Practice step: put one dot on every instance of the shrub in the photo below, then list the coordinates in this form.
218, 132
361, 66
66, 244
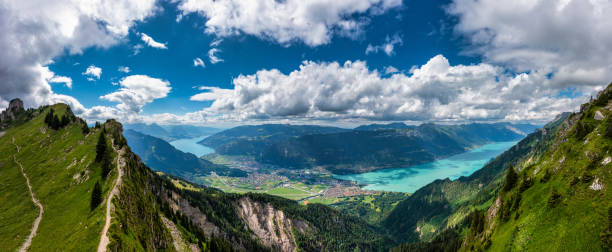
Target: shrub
583, 129
554, 198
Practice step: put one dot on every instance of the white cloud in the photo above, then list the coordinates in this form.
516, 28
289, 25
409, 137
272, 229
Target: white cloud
151, 42
124, 69
311, 22
387, 47
197, 62
61, 79
33, 36
216, 42
137, 49
214, 59
390, 70
136, 91
213, 93
569, 39
93, 71
435, 91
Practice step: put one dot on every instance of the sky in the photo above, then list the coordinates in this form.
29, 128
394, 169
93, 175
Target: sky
231, 62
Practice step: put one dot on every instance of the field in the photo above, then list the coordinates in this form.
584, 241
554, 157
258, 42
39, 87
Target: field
267, 184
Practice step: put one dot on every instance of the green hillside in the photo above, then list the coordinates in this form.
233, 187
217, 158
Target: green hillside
147, 211
559, 200
61, 169
549, 192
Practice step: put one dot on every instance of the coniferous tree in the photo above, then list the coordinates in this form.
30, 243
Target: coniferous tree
511, 178
64, 121
96, 195
49, 118
100, 147
56, 123
106, 164
85, 129
97, 126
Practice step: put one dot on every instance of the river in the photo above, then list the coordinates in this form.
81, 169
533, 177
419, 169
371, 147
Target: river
410, 179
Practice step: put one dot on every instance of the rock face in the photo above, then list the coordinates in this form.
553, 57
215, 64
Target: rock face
270, 225
181, 205
15, 106
598, 116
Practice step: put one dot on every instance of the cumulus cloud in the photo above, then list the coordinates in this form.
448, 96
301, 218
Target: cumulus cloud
197, 62
61, 79
214, 59
93, 71
124, 69
151, 42
568, 39
136, 91
386, 47
435, 91
311, 22
32, 37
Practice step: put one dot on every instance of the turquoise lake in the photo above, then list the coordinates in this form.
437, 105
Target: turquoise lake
191, 145
410, 179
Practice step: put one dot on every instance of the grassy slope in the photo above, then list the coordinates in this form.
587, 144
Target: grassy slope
444, 204
67, 216
581, 214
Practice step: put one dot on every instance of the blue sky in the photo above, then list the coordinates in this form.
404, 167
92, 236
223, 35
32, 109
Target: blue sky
452, 61
423, 26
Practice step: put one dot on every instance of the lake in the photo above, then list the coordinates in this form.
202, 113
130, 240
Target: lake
191, 145
410, 179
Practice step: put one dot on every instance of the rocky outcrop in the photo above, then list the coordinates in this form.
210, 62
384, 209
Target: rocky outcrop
15, 107
180, 205
273, 228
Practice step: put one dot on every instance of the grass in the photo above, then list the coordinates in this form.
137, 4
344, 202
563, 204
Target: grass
66, 200
576, 221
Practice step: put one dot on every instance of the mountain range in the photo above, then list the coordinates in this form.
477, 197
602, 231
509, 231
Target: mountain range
171, 132
363, 149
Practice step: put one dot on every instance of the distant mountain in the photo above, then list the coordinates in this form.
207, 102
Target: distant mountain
247, 139
172, 132
397, 125
160, 155
353, 151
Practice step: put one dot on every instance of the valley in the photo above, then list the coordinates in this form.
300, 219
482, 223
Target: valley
319, 185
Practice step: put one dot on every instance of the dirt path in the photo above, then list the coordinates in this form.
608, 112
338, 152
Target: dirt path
28, 241
104, 241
